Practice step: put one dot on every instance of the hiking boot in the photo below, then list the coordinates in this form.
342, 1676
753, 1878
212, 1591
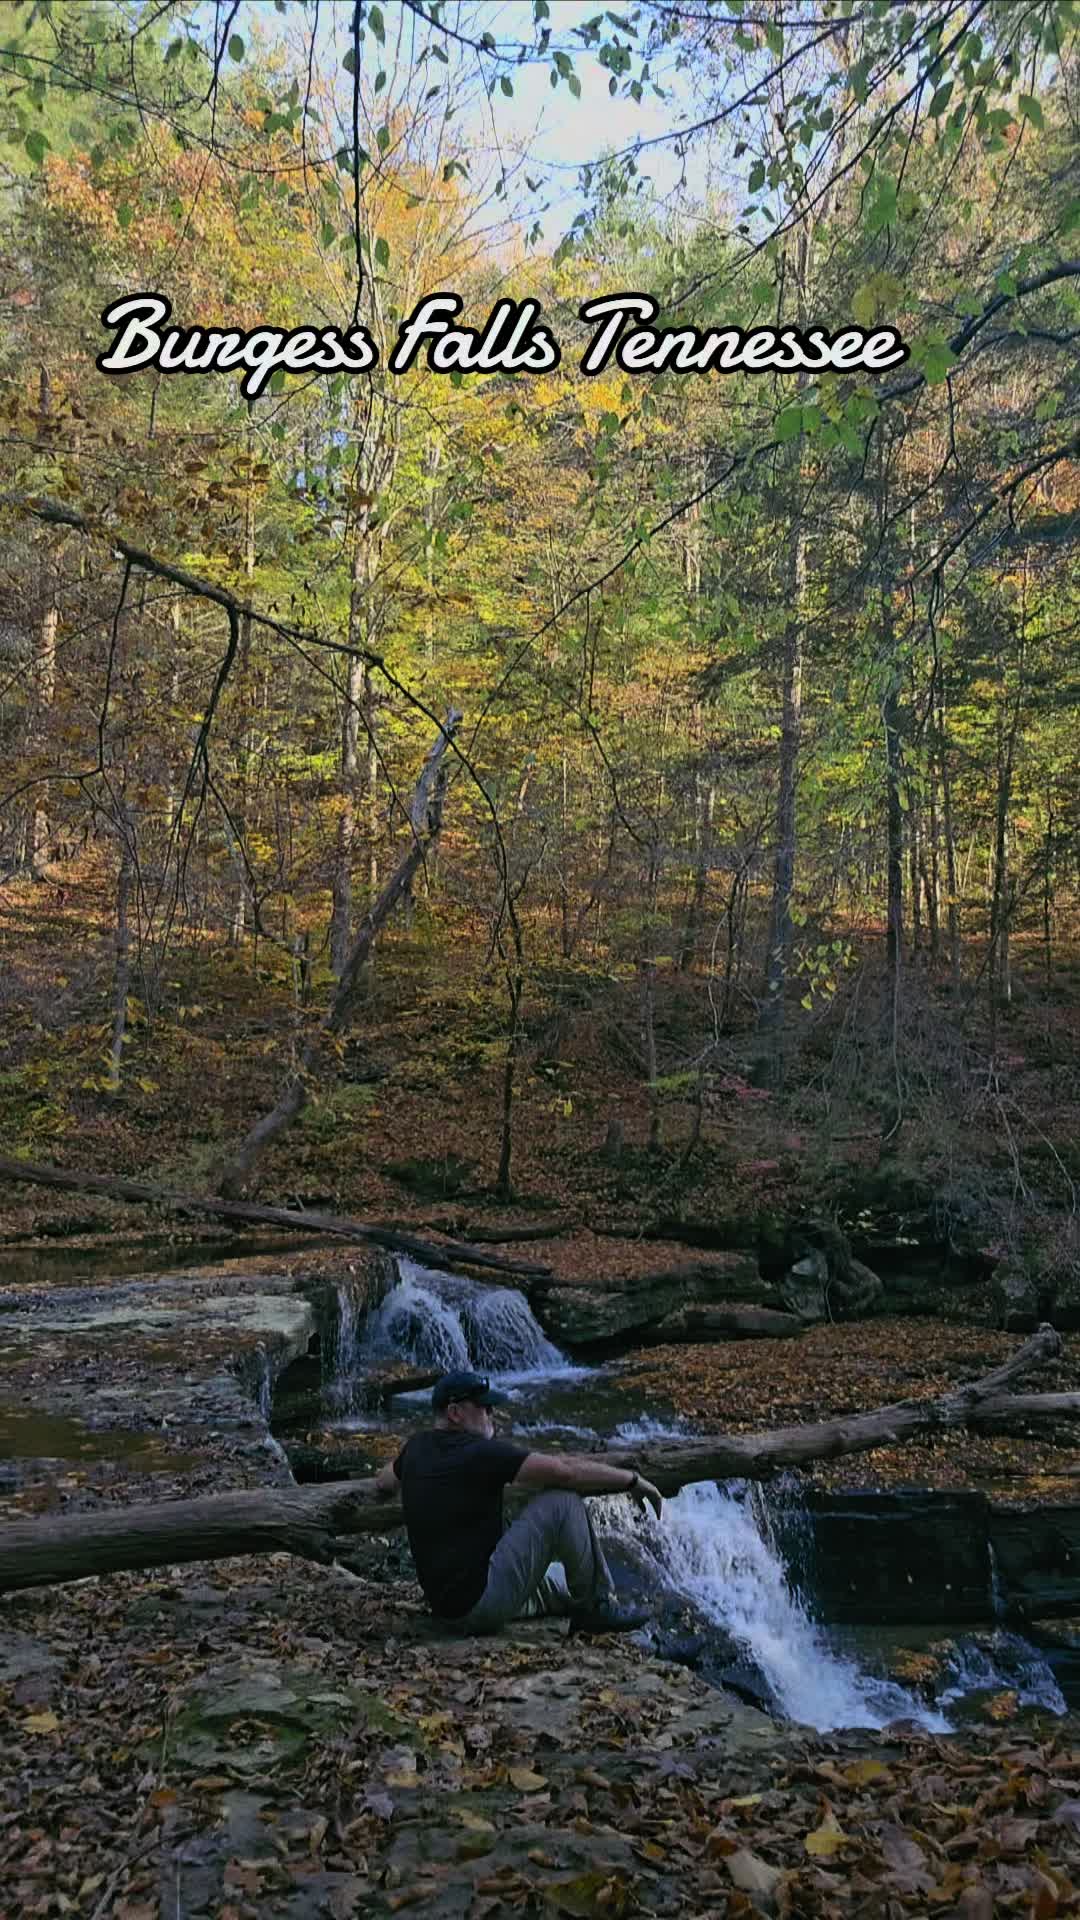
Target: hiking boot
608, 1617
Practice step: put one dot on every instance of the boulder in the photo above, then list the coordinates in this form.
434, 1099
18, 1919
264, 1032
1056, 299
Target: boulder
816, 1275
1014, 1295
804, 1288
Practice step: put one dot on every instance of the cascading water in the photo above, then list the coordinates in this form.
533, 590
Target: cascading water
339, 1382
439, 1320
723, 1553
710, 1549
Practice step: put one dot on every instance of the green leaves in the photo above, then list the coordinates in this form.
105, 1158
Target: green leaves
236, 47
377, 24
881, 294
382, 252
1031, 110
37, 146
934, 357
882, 211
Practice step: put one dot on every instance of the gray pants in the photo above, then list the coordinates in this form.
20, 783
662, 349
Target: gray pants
553, 1527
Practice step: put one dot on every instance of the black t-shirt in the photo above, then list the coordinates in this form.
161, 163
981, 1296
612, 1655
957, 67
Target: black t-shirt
451, 1489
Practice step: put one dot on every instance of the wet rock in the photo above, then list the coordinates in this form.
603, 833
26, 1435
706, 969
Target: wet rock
1037, 1556
900, 1557
585, 1315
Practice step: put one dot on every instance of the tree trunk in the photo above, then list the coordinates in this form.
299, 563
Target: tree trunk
314, 1522
778, 957
313, 1064
951, 879
341, 911
122, 976
447, 1255
514, 985
245, 714
779, 954
648, 1048
45, 688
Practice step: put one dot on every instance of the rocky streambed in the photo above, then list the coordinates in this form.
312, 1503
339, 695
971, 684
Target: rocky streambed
266, 1736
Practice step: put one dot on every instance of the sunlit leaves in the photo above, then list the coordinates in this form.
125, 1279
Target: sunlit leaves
882, 210
1031, 110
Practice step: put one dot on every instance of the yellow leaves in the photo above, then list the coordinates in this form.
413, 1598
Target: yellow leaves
862, 1772
882, 294
526, 1781
475, 1822
41, 1723
828, 1838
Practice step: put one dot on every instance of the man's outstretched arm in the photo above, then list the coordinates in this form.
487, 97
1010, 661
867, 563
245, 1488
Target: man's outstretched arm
580, 1473
387, 1484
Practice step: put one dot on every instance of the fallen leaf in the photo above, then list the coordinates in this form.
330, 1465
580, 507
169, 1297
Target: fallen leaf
473, 1846
41, 1723
753, 1875
590, 1895
861, 1772
826, 1839
525, 1780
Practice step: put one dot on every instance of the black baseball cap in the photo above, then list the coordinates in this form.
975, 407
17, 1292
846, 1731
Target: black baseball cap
465, 1386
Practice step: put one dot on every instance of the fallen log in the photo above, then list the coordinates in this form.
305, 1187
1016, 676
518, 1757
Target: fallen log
447, 1254
310, 1521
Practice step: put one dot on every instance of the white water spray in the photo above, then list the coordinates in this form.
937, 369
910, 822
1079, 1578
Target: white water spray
711, 1550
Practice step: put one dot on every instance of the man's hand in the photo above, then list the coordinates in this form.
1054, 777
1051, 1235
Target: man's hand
646, 1492
387, 1484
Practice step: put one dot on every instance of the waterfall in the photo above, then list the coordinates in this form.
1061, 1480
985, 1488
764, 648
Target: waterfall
712, 1550
439, 1320
341, 1368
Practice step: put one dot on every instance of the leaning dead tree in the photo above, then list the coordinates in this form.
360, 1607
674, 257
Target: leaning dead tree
443, 1254
317, 1522
425, 821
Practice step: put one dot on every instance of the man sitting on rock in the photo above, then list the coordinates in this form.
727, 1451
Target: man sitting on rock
476, 1574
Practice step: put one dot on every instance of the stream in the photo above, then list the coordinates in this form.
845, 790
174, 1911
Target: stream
729, 1567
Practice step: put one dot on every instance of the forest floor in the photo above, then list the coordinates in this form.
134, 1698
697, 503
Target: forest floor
411, 1131
264, 1737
